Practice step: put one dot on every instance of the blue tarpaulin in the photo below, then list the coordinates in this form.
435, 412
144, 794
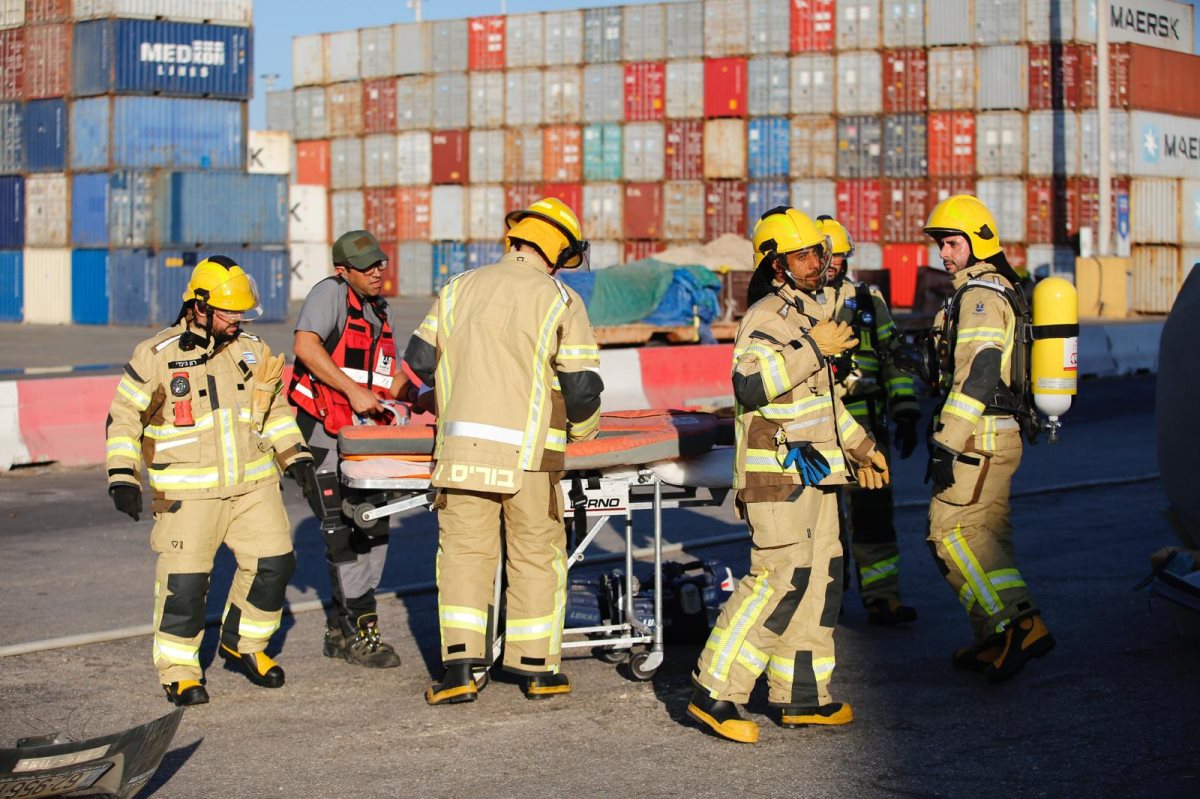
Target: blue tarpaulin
649, 292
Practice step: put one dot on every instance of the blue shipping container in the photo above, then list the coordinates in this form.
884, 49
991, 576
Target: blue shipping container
12, 286
762, 196
140, 56
449, 259
89, 209
769, 146
146, 132
112, 209
172, 269
12, 138
89, 287
46, 135
12, 212
483, 253
193, 209
132, 272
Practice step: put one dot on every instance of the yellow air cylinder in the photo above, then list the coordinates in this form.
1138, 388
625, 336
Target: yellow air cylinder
1055, 360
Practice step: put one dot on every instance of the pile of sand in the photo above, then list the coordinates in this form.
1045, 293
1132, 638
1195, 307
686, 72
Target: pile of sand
729, 251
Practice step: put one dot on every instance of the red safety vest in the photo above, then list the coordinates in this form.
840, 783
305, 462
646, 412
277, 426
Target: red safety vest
366, 359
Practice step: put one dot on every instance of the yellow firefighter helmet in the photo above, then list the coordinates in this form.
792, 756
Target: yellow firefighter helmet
839, 238
218, 282
966, 215
551, 226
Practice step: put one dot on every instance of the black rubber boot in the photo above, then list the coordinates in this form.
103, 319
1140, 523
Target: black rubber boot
979, 655
186, 693
722, 717
456, 687
831, 715
257, 666
890, 612
544, 686
1024, 640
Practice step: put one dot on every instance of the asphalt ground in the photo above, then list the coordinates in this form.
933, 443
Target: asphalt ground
1111, 712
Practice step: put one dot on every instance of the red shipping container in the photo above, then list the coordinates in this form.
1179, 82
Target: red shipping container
905, 81
412, 213
643, 210
569, 193
684, 150
859, 207
1149, 91
812, 25
1045, 210
47, 61
523, 195
1053, 69
724, 87
312, 163
485, 44
637, 250
903, 261
645, 92
1118, 76
449, 156
12, 63
41, 11
951, 138
379, 106
391, 272
941, 188
904, 204
380, 212
1083, 205
724, 208
562, 153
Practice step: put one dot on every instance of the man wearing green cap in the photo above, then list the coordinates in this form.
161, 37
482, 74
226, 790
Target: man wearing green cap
345, 364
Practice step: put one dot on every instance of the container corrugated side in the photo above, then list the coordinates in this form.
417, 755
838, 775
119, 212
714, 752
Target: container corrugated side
1154, 280
563, 37
487, 99
253, 209
448, 45
344, 109
644, 33
860, 83
768, 147
905, 208
1047, 20
46, 135
603, 93
487, 40
685, 30
523, 97
812, 26
769, 92
451, 100
762, 196
47, 61
347, 211
905, 81
602, 35
1000, 143
486, 208
308, 214
412, 44
268, 152
813, 78
89, 287
1003, 77
12, 137
683, 210
486, 156
604, 210
605, 254
112, 209
308, 60
1163, 145
311, 263
903, 23
1053, 143
448, 213
769, 25
47, 286
379, 105
905, 146
346, 163
484, 253
1154, 210
645, 88
1005, 198
412, 213
281, 112
684, 150
562, 153
685, 89
603, 151
1045, 259
12, 286
948, 22
341, 56
449, 259
89, 209
379, 160
12, 212
414, 158
134, 303
224, 12
724, 148
860, 207
563, 90
415, 268
525, 43
858, 25
643, 151
1119, 144
1189, 207
724, 208
643, 212
414, 103
377, 52
726, 28
860, 147
814, 146
46, 211
311, 120
522, 155
998, 22
951, 79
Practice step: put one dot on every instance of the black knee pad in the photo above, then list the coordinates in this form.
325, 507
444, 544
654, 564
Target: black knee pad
269, 585
338, 548
183, 609
781, 617
833, 593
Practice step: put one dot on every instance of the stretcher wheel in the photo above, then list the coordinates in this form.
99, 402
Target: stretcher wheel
359, 510
637, 666
610, 654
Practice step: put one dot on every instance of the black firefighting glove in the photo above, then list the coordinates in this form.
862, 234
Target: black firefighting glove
127, 499
305, 475
941, 465
906, 433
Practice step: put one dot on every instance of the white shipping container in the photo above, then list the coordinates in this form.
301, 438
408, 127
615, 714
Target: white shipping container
603, 93
683, 209
867, 255
769, 93
644, 151
411, 48
1000, 143
951, 74
414, 266
1005, 198
860, 83
1089, 142
769, 26
814, 146
311, 120
308, 60
1189, 207
377, 52
448, 213
815, 197
812, 84
47, 286
311, 263
999, 22
268, 152
346, 210
486, 157
948, 22
644, 33
1047, 20
341, 56
217, 12
451, 101
1003, 77
308, 214
525, 147
858, 25
414, 158
563, 37
563, 88
603, 210
486, 212
603, 254
1154, 210
47, 211
523, 97
448, 45
685, 89
1053, 143
724, 148
379, 156
1151, 23
726, 32
346, 163
1163, 145
414, 103
523, 41
685, 30
487, 99
1155, 278
903, 23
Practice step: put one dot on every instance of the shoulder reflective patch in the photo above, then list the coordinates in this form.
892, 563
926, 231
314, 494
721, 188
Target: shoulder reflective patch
162, 345
249, 336
562, 290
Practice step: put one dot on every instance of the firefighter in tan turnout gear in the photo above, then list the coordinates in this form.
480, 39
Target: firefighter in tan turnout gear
976, 445
515, 367
199, 405
874, 391
796, 445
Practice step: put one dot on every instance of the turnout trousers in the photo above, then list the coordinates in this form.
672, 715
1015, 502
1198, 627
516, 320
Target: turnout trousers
871, 530
970, 536
536, 563
781, 617
186, 536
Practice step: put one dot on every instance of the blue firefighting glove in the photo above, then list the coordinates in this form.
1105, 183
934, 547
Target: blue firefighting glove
808, 461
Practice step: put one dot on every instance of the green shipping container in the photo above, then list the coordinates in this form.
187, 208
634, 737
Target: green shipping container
602, 151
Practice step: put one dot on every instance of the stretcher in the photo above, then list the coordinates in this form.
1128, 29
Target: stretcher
640, 461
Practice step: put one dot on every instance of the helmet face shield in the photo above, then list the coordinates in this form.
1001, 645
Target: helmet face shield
824, 255
236, 296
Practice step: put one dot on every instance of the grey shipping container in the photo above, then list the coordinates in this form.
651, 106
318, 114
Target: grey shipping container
414, 103
1005, 198
523, 97
1000, 143
451, 102
602, 35
524, 41
487, 99
413, 46
769, 92
346, 163
814, 146
769, 26
414, 268
1053, 143
12, 137
644, 33
1089, 143
815, 197
603, 93
643, 151
311, 120
379, 160
346, 210
308, 60
563, 88
999, 22
281, 112
860, 142
859, 83
903, 23
564, 37
377, 52
726, 28
951, 79
1049, 20
486, 163
948, 22
341, 56
904, 146
683, 210
685, 89
448, 45
147, 132
858, 25
685, 30
812, 84
1003, 77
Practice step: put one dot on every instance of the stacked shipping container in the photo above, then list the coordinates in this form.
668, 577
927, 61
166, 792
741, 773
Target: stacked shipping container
670, 123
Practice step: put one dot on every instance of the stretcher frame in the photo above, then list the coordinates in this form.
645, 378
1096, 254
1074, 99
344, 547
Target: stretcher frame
608, 497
